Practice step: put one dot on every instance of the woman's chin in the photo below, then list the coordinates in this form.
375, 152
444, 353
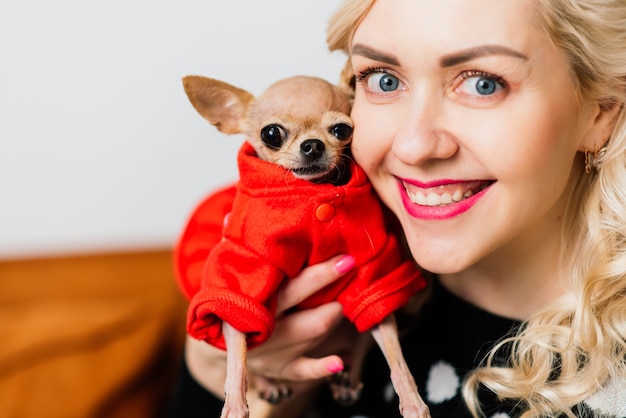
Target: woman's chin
441, 262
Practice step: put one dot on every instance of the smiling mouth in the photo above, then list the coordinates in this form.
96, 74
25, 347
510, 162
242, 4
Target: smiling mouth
444, 195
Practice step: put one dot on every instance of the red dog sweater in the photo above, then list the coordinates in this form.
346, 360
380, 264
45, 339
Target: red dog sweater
277, 225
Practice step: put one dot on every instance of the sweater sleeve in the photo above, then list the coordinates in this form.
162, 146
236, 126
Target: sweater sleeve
382, 285
202, 238
248, 305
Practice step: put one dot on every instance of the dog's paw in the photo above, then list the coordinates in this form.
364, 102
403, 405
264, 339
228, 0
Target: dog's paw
271, 391
275, 393
344, 392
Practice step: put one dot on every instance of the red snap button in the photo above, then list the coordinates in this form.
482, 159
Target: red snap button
324, 212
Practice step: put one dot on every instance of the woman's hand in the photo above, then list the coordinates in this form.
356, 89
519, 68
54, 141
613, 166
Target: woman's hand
283, 355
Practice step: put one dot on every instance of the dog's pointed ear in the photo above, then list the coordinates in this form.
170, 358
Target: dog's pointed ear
222, 104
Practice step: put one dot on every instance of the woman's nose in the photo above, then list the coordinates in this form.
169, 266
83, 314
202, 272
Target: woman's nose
422, 136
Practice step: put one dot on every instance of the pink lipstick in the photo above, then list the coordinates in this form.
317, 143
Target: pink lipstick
443, 199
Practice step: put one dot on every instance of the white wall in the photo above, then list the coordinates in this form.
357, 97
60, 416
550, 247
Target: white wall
99, 147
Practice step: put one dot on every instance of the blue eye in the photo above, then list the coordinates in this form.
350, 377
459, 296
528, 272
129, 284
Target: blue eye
486, 86
382, 82
476, 83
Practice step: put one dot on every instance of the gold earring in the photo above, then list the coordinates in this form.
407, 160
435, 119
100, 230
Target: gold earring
591, 159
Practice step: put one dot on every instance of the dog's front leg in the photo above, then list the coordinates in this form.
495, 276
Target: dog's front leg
236, 385
386, 336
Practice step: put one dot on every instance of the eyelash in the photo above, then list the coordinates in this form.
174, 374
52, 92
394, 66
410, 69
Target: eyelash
362, 75
478, 73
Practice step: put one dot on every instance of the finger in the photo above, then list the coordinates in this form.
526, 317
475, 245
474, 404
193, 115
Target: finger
304, 368
310, 280
299, 332
295, 335
309, 324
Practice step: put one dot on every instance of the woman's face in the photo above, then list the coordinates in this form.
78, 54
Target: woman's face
468, 124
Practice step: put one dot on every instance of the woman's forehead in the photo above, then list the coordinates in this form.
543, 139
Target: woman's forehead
447, 25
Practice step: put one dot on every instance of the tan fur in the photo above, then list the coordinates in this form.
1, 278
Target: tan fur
235, 111
305, 108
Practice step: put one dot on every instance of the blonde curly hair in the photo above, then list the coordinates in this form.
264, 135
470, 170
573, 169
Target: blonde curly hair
576, 346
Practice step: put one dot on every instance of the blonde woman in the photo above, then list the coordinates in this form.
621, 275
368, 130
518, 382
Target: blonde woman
496, 132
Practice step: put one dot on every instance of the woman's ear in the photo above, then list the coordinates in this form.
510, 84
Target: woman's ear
605, 117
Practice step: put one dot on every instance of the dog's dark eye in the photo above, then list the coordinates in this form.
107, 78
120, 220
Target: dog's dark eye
341, 131
273, 136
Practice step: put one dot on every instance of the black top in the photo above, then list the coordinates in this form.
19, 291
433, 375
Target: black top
449, 338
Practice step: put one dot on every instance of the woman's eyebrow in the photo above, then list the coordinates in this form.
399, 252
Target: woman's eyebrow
367, 52
477, 52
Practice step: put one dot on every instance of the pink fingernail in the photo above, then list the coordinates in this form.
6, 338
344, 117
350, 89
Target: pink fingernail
345, 264
334, 367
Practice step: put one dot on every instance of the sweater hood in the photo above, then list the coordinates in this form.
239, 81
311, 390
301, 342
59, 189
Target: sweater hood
259, 175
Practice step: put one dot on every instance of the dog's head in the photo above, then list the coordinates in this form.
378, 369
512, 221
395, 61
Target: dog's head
301, 123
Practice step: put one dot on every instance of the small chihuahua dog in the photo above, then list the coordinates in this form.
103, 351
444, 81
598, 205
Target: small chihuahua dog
302, 124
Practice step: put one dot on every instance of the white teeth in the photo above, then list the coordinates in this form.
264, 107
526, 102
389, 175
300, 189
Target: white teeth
434, 199
446, 198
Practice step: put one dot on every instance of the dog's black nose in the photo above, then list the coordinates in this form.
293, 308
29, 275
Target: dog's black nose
312, 148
